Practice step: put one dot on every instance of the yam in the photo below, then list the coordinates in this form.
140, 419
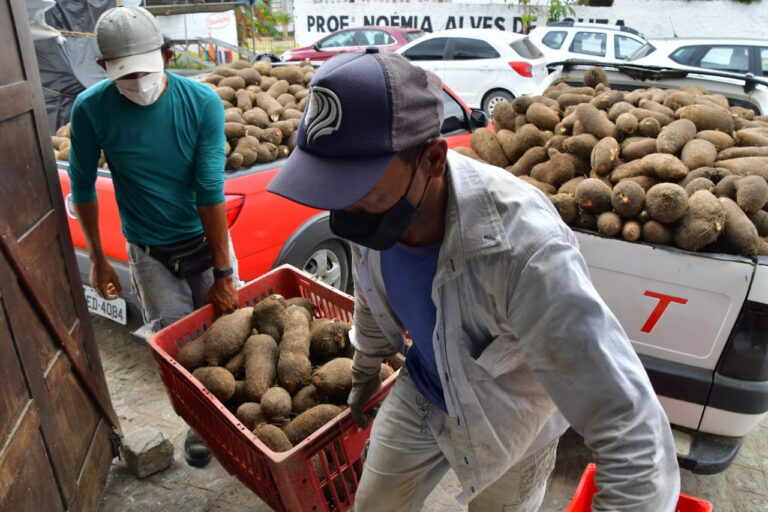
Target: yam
569, 187
306, 398
729, 153
468, 152
745, 166
649, 104
217, 380
276, 405
720, 140
702, 223
760, 220
627, 123
568, 99
648, 127
236, 365
542, 116
485, 144
595, 75
270, 105
274, 438
714, 174
291, 74
328, 339
666, 202
606, 99
627, 198
294, 371
526, 137
631, 231
530, 158
665, 166
657, 233
726, 187
751, 193
698, 153
593, 196
580, 145
192, 355
256, 117
566, 206
504, 113
249, 414
593, 121
544, 187
609, 223
619, 108
739, 232
309, 421
334, 378
643, 113
250, 76
604, 156
555, 171
675, 135
235, 82
697, 184
679, 99
707, 117
269, 317
638, 148
227, 335
260, 363
586, 220
751, 138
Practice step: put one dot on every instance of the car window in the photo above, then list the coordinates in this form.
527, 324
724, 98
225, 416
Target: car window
727, 58
645, 49
452, 108
554, 39
764, 60
624, 47
589, 43
412, 36
468, 49
345, 38
432, 49
685, 55
526, 49
374, 37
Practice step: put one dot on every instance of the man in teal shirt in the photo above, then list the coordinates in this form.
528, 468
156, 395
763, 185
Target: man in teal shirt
163, 138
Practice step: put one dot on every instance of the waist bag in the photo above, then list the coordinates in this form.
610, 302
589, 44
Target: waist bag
183, 259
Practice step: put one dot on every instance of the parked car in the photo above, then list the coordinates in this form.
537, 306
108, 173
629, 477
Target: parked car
484, 67
267, 230
594, 41
353, 40
734, 55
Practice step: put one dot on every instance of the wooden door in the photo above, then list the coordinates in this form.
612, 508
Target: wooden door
56, 419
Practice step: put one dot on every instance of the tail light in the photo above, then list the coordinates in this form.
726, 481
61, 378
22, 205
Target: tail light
233, 203
522, 68
746, 353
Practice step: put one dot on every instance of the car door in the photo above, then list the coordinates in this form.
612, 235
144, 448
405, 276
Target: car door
341, 42
429, 54
472, 66
589, 44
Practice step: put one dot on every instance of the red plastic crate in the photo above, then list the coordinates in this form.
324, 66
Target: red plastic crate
287, 481
582, 499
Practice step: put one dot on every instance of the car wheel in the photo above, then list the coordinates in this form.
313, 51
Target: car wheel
329, 263
495, 97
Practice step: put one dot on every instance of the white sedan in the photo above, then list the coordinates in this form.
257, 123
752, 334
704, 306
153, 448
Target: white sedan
484, 67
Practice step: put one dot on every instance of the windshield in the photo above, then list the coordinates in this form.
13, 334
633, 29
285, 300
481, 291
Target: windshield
411, 36
644, 50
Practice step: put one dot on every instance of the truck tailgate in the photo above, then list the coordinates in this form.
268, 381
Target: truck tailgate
673, 304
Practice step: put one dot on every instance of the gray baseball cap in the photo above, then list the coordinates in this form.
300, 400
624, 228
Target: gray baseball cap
362, 109
129, 39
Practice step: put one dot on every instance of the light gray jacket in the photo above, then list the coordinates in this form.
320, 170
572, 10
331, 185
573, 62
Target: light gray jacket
521, 332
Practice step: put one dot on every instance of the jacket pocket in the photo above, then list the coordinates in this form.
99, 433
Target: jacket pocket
499, 357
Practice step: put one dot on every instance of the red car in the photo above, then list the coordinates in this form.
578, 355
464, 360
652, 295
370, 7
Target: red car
353, 40
267, 230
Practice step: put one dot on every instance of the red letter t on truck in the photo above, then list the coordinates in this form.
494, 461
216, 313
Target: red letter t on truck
664, 301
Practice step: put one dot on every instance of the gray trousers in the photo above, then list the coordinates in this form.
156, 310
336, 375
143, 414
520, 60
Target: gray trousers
164, 297
405, 461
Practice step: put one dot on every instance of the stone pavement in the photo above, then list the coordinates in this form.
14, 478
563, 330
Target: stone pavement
140, 399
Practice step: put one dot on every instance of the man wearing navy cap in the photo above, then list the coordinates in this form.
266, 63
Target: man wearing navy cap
511, 342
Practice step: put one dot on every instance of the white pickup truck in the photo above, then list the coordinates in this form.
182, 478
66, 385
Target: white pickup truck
699, 321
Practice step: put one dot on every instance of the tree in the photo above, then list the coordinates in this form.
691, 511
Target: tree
554, 10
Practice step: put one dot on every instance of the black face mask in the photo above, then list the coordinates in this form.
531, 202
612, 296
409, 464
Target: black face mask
378, 231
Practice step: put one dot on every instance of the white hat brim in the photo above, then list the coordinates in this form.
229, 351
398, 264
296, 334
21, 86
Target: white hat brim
150, 62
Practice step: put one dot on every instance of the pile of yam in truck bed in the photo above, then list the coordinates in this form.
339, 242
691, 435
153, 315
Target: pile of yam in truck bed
669, 166
281, 371
262, 108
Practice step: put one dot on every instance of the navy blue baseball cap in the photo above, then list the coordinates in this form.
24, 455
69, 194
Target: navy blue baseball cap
362, 109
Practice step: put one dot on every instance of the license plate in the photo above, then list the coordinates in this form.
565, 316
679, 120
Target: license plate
112, 309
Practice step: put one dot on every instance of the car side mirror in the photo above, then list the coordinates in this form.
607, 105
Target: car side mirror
450, 124
316, 47
478, 119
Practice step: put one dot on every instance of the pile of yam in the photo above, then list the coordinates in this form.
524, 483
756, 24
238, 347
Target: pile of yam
282, 371
262, 107
666, 166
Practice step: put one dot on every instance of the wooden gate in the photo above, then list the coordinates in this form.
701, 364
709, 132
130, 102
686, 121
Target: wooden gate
57, 425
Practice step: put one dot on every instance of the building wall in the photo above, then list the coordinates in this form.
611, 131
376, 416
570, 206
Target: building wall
654, 18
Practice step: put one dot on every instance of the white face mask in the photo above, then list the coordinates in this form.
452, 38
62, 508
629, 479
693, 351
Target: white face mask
144, 90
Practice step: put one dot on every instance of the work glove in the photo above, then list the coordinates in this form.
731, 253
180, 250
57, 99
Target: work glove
365, 384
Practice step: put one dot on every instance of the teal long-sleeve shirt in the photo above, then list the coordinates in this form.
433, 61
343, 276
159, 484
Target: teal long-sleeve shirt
166, 159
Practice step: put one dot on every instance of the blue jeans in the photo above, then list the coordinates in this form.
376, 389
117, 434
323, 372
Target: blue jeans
164, 297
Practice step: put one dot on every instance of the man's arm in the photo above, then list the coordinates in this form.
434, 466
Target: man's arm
583, 358
102, 275
222, 294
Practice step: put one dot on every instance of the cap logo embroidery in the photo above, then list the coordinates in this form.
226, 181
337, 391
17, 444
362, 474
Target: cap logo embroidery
323, 115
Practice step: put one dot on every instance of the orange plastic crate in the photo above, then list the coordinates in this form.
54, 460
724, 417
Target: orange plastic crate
582, 499
287, 481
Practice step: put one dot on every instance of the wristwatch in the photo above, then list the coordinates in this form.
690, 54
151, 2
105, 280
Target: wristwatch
222, 273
